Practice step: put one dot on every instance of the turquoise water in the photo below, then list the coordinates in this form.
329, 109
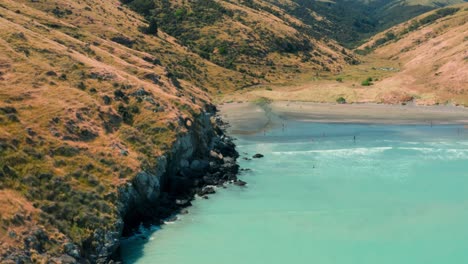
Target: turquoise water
399, 194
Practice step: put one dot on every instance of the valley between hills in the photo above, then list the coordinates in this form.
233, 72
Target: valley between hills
419, 61
107, 106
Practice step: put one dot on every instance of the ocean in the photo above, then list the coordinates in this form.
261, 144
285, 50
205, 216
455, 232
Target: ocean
329, 194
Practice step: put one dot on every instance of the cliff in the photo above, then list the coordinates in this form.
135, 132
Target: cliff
200, 157
86, 105
106, 116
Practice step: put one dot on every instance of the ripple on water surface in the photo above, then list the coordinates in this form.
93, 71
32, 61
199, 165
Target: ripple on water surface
399, 194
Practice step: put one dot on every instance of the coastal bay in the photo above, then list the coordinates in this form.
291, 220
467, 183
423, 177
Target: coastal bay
327, 192
247, 117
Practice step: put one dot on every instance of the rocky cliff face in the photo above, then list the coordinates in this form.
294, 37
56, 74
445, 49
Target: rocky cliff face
203, 156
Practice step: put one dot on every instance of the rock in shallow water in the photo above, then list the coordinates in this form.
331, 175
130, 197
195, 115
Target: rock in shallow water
184, 212
257, 156
240, 183
183, 202
206, 190
171, 219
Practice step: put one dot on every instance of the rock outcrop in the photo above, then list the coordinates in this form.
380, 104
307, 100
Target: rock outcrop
202, 157
258, 156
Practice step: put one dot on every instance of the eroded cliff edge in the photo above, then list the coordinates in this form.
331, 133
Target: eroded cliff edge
202, 156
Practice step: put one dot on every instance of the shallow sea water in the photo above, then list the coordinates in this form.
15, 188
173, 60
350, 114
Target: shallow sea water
399, 194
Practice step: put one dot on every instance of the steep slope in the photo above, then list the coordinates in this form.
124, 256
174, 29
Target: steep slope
252, 37
87, 103
104, 116
397, 11
424, 60
433, 53
350, 21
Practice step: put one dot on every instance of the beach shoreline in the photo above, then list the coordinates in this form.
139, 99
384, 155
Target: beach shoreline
248, 117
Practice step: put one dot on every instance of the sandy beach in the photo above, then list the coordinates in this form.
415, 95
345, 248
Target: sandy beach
250, 118
245, 118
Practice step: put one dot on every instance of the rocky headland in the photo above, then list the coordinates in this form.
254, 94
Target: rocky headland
200, 159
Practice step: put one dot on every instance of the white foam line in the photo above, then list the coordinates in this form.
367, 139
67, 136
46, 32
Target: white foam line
361, 151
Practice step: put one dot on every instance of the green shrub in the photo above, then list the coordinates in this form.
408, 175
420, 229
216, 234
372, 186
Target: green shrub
81, 86
141, 6
152, 28
126, 114
439, 14
341, 100
388, 37
61, 13
367, 82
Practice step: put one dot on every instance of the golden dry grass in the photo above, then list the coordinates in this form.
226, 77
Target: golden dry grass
55, 72
68, 106
434, 59
429, 66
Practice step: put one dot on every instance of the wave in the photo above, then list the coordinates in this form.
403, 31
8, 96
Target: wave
440, 153
426, 152
423, 150
434, 150
341, 152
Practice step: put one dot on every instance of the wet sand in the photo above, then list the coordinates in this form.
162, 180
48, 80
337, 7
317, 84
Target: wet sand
251, 118
244, 118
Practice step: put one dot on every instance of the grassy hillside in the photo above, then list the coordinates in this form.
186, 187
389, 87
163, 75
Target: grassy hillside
85, 103
432, 52
424, 61
255, 38
91, 92
350, 21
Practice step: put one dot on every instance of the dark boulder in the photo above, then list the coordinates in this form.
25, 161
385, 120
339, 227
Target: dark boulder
230, 177
184, 212
214, 167
257, 156
226, 148
72, 250
230, 168
206, 190
229, 160
171, 219
210, 180
183, 202
240, 183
